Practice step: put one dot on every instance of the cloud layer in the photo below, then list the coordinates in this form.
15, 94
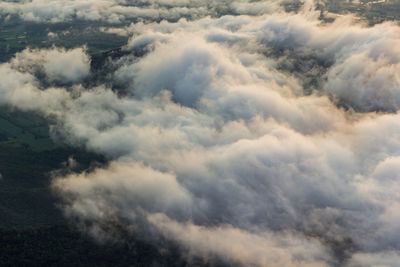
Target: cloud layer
118, 11
267, 140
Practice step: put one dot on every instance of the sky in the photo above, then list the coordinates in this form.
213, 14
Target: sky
244, 132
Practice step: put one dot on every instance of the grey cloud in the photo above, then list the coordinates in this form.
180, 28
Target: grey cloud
387, 259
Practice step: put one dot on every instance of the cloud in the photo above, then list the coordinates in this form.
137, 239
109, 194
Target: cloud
389, 259
367, 82
115, 11
261, 249
143, 187
218, 143
57, 64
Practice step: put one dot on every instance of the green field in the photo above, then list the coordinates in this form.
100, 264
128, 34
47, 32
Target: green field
27, 156
22, 129
16, 35
372, 11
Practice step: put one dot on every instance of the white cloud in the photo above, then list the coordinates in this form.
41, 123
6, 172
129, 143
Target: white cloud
57, 64
239, 246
